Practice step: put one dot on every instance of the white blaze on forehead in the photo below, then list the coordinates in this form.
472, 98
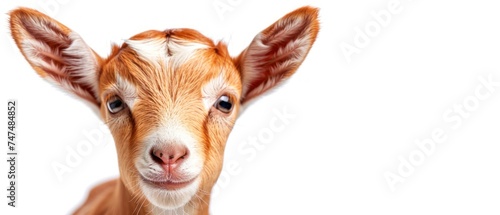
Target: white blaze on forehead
174, 52
150, 49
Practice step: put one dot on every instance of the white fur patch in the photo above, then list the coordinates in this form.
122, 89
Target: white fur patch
186, 210
173, 53
211, 90
170, 202
170, 131
123, 88
150, 49
127, 91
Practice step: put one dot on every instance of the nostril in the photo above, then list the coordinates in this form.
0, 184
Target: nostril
156, 157
169, 155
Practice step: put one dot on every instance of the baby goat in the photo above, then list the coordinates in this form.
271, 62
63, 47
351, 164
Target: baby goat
170, 99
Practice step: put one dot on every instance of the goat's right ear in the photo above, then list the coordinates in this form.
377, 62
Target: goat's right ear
57, 53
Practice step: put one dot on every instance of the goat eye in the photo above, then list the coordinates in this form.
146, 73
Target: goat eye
224, 104
115, 105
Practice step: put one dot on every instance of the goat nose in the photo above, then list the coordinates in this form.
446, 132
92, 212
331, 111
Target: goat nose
170, 155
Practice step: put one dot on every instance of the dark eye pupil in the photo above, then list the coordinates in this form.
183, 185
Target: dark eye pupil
224, 105
115, 104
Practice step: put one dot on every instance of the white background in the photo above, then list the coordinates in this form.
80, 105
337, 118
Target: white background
353, 121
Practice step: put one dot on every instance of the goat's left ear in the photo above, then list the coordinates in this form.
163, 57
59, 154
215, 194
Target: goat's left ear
277, 52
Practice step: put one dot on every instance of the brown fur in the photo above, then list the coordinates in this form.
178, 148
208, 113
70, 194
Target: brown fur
165, 92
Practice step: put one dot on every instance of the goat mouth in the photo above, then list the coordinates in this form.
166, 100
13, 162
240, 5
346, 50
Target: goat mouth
169, 184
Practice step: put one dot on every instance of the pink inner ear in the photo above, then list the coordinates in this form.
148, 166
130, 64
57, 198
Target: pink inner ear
276, 53
50, 34
278, 58
56, 53
57, 65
